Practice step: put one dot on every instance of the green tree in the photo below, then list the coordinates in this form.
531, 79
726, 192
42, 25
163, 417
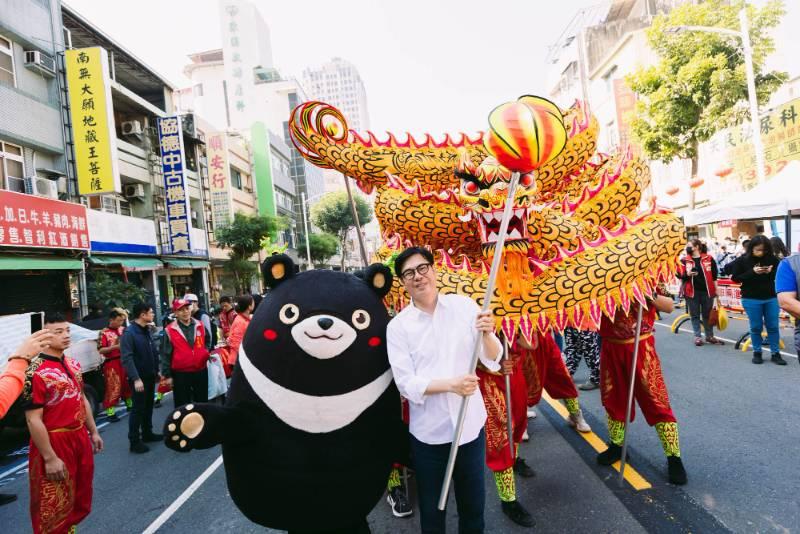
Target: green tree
111, 292
699, 85
322, 246
243, 239
332, 214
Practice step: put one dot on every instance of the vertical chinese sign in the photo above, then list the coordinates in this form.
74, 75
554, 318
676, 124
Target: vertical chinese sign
219, 179
625, 102
92, 121
31, 221
238, 48
170, 140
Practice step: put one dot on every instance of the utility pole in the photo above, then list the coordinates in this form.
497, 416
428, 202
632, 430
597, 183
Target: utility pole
305, 223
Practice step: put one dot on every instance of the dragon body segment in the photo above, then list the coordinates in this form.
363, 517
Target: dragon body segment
578, 245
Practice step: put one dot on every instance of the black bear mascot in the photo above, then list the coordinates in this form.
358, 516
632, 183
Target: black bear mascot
311, 425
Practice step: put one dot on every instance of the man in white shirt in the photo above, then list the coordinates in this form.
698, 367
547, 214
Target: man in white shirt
430, 346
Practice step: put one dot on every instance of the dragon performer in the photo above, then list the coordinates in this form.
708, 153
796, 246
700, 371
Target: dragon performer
579, 248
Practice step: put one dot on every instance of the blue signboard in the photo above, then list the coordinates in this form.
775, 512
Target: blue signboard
170, 141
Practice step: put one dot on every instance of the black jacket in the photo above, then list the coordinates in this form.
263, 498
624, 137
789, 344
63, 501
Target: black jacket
755, 286
139, 354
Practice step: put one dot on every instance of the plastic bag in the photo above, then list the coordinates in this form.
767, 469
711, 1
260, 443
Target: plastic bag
217, 384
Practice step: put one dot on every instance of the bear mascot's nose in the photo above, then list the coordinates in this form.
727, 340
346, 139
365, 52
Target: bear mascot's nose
325, 323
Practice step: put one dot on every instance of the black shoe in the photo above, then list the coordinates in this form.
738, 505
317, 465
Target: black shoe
152, 438
675, 470
399, 503
6, 498
757, 358
517, 513
523, 469
776, 358
139, 448
113, 418
612, 454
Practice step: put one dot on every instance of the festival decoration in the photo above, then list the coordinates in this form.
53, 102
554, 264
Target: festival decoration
695, 183
673, 190
578, 245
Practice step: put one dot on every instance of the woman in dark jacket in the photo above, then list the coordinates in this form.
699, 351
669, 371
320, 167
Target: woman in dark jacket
755, 271
698, 273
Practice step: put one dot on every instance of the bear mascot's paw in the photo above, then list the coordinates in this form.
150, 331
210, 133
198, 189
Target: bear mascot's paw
182, 427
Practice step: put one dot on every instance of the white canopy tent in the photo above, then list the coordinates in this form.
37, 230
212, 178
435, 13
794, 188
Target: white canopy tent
779, 196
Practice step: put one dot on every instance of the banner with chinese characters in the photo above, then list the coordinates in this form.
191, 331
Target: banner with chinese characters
37, 222
625, 102
219, 178
170, 140
245, 45
733, 156
93, 132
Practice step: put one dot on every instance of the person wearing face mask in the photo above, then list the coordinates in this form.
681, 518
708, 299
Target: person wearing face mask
698, 271
755, 271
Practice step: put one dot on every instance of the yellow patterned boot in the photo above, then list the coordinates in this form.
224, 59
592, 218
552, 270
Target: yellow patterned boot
507, 491
616, 435
668, 434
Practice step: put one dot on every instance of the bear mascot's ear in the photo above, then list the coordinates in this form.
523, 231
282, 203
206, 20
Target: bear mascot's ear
378, 277
276, 269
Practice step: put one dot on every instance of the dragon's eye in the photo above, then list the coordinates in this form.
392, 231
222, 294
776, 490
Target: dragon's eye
471, 188
526, 180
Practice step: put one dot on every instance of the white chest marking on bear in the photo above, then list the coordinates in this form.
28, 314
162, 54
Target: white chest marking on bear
309, 413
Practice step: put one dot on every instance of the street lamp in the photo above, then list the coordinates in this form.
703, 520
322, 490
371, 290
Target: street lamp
744, 35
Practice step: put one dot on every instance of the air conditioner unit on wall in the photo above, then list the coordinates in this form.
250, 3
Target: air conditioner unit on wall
41, 187
132, 128
40, 62
133, 191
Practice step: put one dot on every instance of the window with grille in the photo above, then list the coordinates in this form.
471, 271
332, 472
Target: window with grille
12, 167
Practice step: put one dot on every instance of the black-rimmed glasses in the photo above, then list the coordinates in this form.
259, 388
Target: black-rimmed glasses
421, 269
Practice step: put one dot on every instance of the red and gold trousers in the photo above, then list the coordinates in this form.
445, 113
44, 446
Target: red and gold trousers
544, 369
57, 506
116, 382
493, 389
650, 391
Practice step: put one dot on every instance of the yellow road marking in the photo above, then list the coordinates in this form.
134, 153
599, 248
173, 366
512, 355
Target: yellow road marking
637, 481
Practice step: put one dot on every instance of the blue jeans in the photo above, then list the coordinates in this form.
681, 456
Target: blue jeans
430, 463
761, 312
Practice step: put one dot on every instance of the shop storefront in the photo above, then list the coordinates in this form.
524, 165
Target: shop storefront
42, 242
181, 276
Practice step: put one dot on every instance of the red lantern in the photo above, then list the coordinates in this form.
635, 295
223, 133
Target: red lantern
672, 190
526, 134
722, 173
697, 182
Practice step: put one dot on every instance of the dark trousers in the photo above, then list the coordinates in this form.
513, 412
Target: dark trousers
140, 422
430, 463
700, 310
189, 387
582, 344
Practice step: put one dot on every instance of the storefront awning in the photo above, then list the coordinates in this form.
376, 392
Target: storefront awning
186, 263
23, 263
129, 263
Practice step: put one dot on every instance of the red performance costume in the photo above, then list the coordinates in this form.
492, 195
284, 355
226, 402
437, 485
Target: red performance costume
650, 391
56, 386
116, 381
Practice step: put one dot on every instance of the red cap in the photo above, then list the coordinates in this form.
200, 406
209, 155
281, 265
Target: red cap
177, 304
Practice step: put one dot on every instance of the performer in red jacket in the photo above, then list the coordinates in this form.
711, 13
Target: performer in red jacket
116, 381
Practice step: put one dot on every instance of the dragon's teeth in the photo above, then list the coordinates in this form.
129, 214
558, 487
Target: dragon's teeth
466, 217
514, 234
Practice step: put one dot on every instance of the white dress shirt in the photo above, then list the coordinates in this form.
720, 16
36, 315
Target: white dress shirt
424, 347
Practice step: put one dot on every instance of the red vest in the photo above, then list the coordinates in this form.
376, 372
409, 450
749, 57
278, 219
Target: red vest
705, 264
184, 357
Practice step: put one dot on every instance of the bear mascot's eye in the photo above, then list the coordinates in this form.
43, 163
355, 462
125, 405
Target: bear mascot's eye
289, 314
361, 319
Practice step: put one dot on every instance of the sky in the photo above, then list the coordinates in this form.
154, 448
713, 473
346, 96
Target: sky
428, 65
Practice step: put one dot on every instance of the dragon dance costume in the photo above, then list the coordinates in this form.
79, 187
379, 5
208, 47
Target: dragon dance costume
116, 381
650, 391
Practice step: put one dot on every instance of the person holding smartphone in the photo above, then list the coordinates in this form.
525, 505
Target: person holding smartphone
755, 271
698, 271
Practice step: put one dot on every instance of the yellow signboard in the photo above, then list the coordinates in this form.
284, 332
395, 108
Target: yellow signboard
780, 133
93, 132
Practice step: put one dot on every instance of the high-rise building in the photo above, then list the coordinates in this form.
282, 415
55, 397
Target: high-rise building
338, 83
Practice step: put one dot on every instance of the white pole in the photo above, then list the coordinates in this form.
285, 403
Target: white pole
636, 340
758, 146
487, 301
305, 223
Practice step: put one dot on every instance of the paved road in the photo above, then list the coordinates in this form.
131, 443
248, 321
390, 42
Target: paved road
739, 432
